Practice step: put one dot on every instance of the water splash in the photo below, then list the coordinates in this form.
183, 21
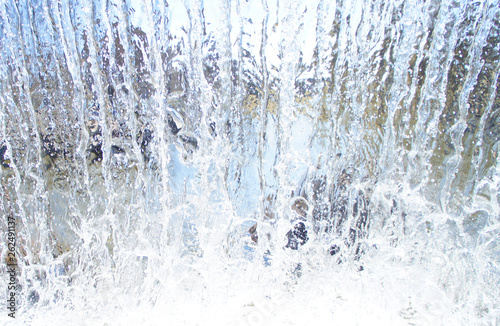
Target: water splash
251, 162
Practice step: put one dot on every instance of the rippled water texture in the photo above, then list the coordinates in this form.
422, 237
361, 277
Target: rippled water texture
250, 162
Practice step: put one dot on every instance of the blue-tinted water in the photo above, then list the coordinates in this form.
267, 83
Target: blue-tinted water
250, 162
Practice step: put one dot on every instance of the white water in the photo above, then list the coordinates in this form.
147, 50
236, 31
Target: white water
141, 140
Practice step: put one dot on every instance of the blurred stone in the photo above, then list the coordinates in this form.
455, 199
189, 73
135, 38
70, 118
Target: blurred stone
297, 236
175, 121
189, 141
475, 222
4, 161
300, 206
253, 233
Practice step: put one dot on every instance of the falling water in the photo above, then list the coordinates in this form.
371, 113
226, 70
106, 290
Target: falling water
250, 162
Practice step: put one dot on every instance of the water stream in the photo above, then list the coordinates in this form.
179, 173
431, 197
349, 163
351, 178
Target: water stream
250, 162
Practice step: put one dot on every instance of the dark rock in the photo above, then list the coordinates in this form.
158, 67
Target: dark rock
213, 131
297, 236
174, 128
189, 141
175, 121
334, 249
147, 136
117, 150
95, 153
253, 233
3, 160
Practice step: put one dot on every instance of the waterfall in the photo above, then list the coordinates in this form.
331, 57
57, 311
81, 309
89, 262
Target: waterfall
250, 162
